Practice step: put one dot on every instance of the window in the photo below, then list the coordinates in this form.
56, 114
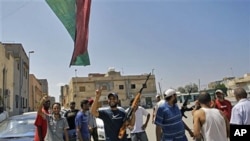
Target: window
26, 103
16, 100
82, 88
121, 87
104, 87
132, 86
23, 101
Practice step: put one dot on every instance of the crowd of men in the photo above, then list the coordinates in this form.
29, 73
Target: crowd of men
211, 118
73, 125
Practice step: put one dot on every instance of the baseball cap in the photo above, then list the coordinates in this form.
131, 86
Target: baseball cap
219, 91
112, 94
157, 96
91, 101
169, 93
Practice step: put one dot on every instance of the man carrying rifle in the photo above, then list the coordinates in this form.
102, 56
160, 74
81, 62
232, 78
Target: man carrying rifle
112, 116
138, 132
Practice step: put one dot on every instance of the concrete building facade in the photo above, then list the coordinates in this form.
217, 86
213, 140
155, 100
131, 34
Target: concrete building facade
20, 67
6, 80
126, 87
35, 92
233, 82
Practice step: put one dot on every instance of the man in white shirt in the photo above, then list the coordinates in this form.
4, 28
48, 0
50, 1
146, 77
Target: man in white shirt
138, 130
241, 111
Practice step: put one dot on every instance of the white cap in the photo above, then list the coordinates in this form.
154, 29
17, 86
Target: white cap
157, 95
219, 91
169, 92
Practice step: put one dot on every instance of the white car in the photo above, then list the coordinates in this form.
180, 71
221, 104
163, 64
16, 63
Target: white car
3, 116
101, 131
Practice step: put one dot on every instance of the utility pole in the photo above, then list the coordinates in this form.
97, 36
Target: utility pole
33, 95
159, 84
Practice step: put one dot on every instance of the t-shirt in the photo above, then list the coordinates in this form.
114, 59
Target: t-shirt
113, 120
82, 121
225, 106
140, 112
55, 128
169, 118
40, 121
70, 116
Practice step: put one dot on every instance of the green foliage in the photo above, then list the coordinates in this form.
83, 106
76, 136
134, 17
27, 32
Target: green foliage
222, 87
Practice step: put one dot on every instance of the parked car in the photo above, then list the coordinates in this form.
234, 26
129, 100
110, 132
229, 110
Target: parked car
18, 128
101, 130
3, 115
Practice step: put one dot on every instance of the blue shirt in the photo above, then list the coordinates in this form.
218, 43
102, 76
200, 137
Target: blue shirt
82, 121
241, 113
113, 120
169, 118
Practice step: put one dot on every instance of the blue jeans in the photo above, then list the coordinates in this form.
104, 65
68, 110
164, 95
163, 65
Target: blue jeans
72, 134
140, 136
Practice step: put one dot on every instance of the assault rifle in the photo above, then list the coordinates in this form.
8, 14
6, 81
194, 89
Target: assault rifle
184, 105
131, 109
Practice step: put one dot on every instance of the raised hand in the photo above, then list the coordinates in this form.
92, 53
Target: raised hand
98, 92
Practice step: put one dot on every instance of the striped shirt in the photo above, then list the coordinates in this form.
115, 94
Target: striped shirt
169, 118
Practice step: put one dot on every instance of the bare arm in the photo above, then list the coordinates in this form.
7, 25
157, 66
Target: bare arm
153, 117
146, 123
40, 106
131, 122
158, 133
94, 107
197, 126
227, 124
66, 135
78, 130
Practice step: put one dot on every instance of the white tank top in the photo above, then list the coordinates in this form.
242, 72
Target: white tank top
214, 128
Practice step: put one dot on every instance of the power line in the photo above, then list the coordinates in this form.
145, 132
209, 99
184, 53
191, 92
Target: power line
16, 10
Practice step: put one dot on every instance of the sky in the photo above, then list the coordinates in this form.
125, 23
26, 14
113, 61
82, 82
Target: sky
179, 41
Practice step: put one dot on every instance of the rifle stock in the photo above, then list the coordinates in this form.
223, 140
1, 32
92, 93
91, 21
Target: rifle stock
131, 109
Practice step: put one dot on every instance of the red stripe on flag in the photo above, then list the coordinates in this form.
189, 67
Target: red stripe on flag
82, 27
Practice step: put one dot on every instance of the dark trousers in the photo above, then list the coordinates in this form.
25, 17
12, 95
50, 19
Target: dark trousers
94, 134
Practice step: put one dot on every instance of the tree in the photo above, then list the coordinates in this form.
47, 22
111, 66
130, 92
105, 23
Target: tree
181, 89
192, 86
221, 87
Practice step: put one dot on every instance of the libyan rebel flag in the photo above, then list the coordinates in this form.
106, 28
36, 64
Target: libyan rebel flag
74, 14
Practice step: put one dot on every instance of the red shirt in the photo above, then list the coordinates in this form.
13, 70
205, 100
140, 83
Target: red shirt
225, 106
40, 121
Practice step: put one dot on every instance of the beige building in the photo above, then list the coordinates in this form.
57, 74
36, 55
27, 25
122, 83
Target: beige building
19, 94
232, 82
35, 92
7, 80
126, 87
45, 88
243, 82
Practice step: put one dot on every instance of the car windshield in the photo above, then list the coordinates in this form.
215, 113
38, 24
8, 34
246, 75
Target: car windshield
21, 126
